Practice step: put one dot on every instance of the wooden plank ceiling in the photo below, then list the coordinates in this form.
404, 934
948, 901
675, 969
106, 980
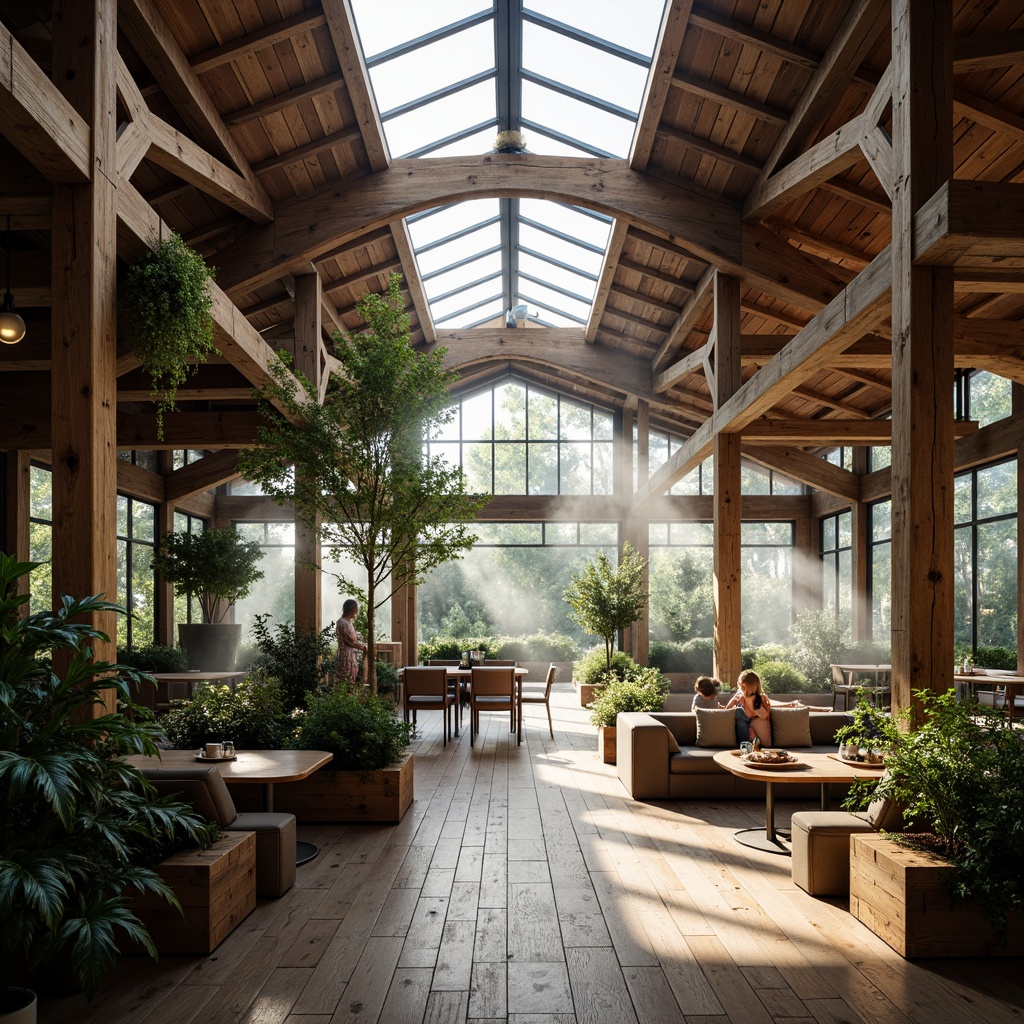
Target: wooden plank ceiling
244, 121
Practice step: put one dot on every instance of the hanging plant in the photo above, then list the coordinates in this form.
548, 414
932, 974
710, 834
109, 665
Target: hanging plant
166, 299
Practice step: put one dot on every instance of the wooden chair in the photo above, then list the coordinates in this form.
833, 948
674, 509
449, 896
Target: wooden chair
426, 689
841, 684
492, 688
456, 685
536, 696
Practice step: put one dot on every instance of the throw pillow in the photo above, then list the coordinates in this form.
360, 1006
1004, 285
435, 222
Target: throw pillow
715, 728
791, 727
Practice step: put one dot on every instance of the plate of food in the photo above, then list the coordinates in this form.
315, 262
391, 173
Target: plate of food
771, 759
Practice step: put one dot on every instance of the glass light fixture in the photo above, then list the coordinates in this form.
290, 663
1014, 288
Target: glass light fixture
12, 327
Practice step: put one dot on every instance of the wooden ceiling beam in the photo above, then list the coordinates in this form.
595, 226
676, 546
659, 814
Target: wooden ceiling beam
651, 300
819, 398
654, 274
824, 246
712, 149
987, 51
612, 257
807, 469
971, 219
388, 267
309, 150
988, 114
695, 308
413, 282
691, 362
210, 471
208, 430
666, 53
862, 196
282, 101
729, 98
236, 49
775, 315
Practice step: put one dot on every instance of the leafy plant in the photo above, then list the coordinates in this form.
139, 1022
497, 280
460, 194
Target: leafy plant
592, 668
1003, 658
387, 679
642, 689
536, 647
818, 644
165, 296
781, 677
359, 728
78, 825
154, 658
606, 598
448, 648
212, 565
361, 478
961, 770
298, 661
252, 714
869, 726
699, 655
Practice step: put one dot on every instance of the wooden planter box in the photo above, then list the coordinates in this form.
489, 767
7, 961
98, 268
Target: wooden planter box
903, 896
216, 889
380, 797
588, 691
606, 743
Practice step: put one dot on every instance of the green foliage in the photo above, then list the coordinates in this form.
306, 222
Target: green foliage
961, 770
165, 296
359, 728
699, 656
536, 647
817, 644
666, 656
298, 661
605, 598
213, 565
996, 657
252, 714
154, 658
448, 648
78, 826
641, 689
869, 726
682, 593
781, 677
593, 666
387, 679
354, 466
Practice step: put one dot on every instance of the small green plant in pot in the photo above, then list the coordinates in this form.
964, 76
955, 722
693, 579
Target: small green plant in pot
299, 661
165, 296
217, 567
868, 734
642, 689
78, 826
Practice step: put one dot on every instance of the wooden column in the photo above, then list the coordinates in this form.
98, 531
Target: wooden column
18, 494
860, 553
84, 339
1018, 415
806, 564
163, 593
308, 603
922, 357
727, 506
641, 535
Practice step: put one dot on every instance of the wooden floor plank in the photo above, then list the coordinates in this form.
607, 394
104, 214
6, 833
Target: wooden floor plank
598, 987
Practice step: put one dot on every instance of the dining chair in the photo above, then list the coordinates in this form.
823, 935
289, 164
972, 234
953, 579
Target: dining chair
426, 689
491, 688
841, 684
457, 686
536, 696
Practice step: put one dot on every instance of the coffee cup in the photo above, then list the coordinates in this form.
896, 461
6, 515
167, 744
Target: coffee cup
214, 750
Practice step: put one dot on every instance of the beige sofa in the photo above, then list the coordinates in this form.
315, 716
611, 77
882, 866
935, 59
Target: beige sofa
657, 758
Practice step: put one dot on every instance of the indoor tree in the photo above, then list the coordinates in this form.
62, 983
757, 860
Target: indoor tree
354, 466
605, 598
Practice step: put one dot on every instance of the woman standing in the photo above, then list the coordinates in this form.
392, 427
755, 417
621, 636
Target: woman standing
348, 642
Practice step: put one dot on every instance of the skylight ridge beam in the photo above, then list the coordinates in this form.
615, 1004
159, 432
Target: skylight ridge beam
437, 94
457, 234
460, 263
509, 264
552, 309
577, 94
586, 38
427, 38
571, 239
448, 140
568, 140
558, 263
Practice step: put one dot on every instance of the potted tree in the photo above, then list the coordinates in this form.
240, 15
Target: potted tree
218, 568
605, 598
640, 689
864, 738
166, 299
78, 826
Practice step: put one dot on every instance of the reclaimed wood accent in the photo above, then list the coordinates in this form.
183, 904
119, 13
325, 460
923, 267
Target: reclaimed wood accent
695, 308
616, 240
216, 889
922, 360
905, 897
258, 40
606, 739
210, 471
17, 506
808, 469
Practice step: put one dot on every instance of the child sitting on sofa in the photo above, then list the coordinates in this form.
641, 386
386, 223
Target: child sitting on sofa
753, 709
706, 695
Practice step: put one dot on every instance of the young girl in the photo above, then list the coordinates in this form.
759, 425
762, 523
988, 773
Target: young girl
707, 693
753, 710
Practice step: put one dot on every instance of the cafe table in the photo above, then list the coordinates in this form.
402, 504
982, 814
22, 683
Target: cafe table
808, 767
882, 675
263, 768
1014, 685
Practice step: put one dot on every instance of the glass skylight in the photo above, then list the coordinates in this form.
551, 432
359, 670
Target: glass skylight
448, 75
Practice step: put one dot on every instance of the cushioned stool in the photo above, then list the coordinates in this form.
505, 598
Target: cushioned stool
821, 844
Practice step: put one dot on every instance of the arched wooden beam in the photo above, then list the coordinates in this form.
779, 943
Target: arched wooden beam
703, 224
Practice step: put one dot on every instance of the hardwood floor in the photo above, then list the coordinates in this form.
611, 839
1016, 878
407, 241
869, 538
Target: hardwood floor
524, 886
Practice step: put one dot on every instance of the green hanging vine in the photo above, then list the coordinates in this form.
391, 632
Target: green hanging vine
166, 299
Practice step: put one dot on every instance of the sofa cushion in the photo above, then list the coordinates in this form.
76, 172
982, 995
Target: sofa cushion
202, 786
791, 727
715, 728
695, 761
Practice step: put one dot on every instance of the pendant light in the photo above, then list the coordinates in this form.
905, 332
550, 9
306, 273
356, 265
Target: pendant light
12, 327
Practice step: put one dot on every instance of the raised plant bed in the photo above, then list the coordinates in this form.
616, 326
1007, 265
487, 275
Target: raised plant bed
216, 889
904, 897
606, 743
379, 797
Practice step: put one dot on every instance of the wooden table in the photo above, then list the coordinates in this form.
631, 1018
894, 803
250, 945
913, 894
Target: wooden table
170, 679
258, 767
1013, 684
813, 767
882, 675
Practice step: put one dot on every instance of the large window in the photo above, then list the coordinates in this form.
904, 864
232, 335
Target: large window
682, 581
515, 438
985, 556
40, 538
880, 580
136, 542
187, 609
837, 568
274, 594
513, 580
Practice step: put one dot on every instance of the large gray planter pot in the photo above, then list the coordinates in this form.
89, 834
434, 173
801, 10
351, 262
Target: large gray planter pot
210, 646
17, 1006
